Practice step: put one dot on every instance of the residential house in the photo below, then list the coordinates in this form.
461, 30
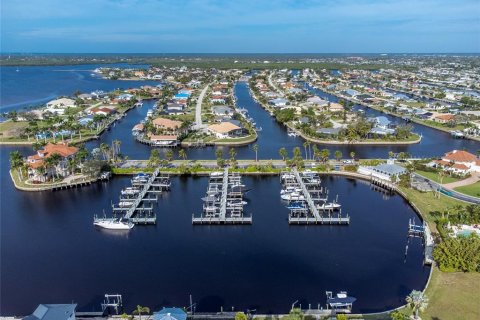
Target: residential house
278, 102
225, 130
443, 118
58, 106
167, 125
222, 111
37, 160
459, 161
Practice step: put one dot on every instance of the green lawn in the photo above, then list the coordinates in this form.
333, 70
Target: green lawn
9, 128
434, 176
471, 189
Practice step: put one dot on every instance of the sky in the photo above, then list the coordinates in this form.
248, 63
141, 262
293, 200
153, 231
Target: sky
241, 26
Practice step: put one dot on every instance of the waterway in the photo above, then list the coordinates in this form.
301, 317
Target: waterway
51, 253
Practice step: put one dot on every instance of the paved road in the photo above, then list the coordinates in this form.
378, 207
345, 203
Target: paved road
273, 85
198, 110
452, 193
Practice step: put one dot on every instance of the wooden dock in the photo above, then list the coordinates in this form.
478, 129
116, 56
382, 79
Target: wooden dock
223, 204
310, 206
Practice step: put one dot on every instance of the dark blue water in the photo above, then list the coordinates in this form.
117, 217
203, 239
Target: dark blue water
51, 253
32, 86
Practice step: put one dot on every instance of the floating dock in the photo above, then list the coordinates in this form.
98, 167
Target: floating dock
224, 202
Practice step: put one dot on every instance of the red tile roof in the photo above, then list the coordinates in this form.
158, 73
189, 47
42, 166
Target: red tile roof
460, 156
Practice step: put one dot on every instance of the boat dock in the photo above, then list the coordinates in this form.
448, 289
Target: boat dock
422, 231
308, 200
224, 202
136, 202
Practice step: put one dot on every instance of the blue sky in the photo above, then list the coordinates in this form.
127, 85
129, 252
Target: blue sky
248, 26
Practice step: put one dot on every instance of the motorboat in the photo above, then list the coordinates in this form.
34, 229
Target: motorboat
113, 224
329, 206
130, 191
296, 205
290, 189
125, 204
216, 174
294, 196
141, 177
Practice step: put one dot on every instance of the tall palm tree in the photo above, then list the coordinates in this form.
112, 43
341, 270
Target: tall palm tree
141, 310
116, 149
305, 145
105, 151
338, 155
16, 162
55, 161
255, 148
169, 155
182, 154
352, 155
283, 153
417, 301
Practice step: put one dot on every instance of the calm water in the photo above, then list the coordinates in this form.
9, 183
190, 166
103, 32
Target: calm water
50, 251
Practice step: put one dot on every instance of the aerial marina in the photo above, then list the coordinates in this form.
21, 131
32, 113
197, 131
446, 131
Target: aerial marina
242, 187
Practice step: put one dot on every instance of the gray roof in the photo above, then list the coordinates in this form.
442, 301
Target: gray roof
389, 169
330, 131
53, 312
222, 110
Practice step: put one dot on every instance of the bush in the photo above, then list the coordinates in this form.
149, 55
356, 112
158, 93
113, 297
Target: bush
350, 168
458, 254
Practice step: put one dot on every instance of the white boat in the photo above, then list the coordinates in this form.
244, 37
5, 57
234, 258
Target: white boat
236, 203
329, 206
125, 204
113, 224
294, 196
288, 190
130, 191
216, 174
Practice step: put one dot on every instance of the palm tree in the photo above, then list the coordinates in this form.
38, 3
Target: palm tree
105, 151
55, 161
305, 145
324, 154
338, 155
141, 310
169, 155
255, 148
390, 154
352, 155
16, 162
232, 153
116, 149
283, 153
218, 153
418, 301
182, 154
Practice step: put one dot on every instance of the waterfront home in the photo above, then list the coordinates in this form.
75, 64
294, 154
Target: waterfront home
378, 131
167, 125
170, 314
175, 107
54, 312
37, 160
125, 97
85, 96
225, 130
335, 107
385, 171
443, 118
278, 102
85, 121
103, 111
222, 111
351, 93
317, 102
58, 106
459, 161
330, 132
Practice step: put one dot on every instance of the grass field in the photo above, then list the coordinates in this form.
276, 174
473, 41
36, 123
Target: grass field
434, 176
453, 296
471, 189
11, 128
